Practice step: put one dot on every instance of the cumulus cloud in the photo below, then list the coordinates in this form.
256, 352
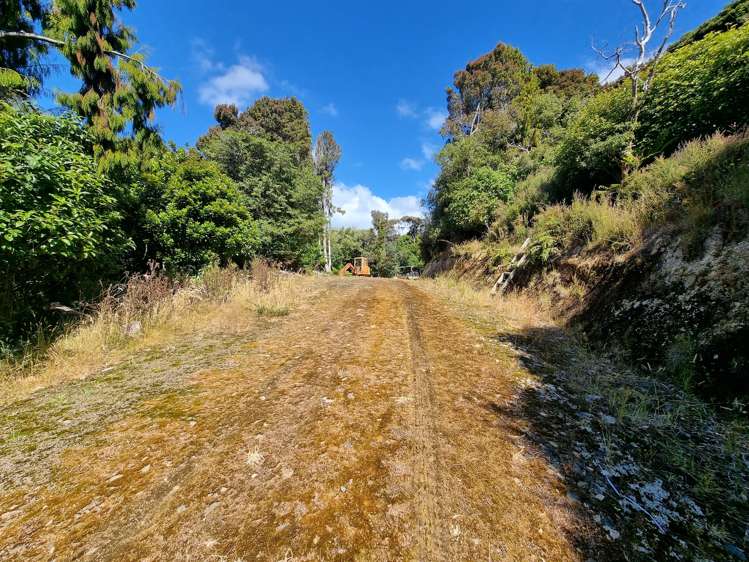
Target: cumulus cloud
358, 202
238, 83
412, 164
405, 109
429, 150
330, 109
435, 118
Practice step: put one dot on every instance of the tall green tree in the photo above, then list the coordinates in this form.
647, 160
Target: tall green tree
281, 120
489, 83
119, 93
18, 54
283, 194
326, 156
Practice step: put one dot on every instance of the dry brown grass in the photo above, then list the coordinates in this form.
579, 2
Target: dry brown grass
151, 311
518, 310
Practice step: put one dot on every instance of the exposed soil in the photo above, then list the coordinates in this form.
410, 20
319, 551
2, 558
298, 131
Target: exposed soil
373, 425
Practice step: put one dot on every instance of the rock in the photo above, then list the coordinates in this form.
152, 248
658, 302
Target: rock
613, 533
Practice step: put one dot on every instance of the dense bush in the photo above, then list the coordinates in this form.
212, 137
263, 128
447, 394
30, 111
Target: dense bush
282, 194
699, 89
593, 151
704, 184
60, 228
201, 217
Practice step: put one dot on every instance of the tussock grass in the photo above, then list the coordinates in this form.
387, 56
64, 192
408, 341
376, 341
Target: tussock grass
519, 310
704, 183
150, 311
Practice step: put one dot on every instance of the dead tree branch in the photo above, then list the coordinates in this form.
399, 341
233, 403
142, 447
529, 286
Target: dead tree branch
643, 36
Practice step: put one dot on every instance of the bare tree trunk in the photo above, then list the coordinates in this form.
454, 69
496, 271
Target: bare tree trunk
329, 264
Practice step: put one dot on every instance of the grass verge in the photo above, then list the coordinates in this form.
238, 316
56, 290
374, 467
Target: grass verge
664, 474
152, 311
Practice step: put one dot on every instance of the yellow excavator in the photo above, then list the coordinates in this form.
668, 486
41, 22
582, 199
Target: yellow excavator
360, 268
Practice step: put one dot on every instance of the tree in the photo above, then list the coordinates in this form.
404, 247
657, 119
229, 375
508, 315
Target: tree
201, 217
326, 156
644, 60
348, 243
16, 53
490, 82
280, 120
119, 93
283, 194
383, 256
60, 227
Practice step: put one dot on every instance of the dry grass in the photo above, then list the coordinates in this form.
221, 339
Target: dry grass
151, 311
519, 310
680, 438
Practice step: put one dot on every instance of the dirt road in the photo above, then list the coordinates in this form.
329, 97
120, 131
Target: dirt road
370, 426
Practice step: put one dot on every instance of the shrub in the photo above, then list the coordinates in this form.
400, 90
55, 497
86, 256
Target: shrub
202, 218
593, 150
514, 217
584, 223
700, 88
704, 182
60, 230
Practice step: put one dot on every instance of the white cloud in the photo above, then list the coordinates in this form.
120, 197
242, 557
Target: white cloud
412, 164
429, 150
435, 118
604, 70
237, 84
204, 56
406, 109
358, 202
330, 109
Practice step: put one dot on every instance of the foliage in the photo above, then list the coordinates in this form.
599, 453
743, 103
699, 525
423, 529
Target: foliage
699, 89
568, 83
347, 244
735, 14
61, 230
202, 217
593, 151
20, 55
490, 82
13, 84
703, 185
282, 195
117, 97
280, 120
506, 117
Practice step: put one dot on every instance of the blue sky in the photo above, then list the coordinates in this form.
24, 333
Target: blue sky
372, 72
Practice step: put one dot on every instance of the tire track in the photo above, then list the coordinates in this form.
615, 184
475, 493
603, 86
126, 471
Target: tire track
430, 528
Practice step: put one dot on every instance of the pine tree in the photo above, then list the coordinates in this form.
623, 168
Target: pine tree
17, 55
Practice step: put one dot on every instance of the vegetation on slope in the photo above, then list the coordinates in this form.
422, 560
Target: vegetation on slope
547, 172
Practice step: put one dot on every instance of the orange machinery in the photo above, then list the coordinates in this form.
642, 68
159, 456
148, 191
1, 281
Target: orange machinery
359, 268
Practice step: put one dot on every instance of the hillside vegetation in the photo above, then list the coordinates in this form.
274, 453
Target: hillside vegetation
631, 213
